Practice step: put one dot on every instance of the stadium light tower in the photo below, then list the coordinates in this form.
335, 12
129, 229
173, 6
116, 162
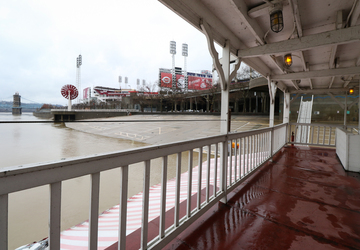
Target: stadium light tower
173, 53
185, 54
120, 80
78, 75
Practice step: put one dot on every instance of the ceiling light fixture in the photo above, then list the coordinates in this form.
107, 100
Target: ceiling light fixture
288, 60
276, 18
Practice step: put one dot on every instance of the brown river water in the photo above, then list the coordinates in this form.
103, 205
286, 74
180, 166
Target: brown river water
22, 144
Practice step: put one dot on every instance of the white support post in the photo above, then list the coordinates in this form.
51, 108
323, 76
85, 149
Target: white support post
94, 211
272, 92
224, 127
4, 206
123, 206
145, 206
271, 142
286, 107
223, 170
55, 215
177, 192
198, 203
188, 207
163, 197
345, 110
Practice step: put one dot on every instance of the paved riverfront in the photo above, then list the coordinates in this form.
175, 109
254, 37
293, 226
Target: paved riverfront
160, 129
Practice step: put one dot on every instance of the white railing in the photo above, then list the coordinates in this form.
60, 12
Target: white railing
235, 157
316, 134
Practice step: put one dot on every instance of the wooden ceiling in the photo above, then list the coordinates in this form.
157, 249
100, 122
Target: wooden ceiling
323, 37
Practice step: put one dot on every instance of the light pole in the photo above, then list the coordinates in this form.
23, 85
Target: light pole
185, 54
78, 75
173, 53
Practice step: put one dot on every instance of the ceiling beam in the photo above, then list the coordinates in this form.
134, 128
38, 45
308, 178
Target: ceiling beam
318, 91
346, 83
263, 9
356, 13
295, 8
356, 101
336, 100
258, 65
333, 37
332, 56
318, 73
331, 82
294, 98
242, 10
302, 58
332, 63
191, 12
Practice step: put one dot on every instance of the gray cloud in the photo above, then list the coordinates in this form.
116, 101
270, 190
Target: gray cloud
40, 41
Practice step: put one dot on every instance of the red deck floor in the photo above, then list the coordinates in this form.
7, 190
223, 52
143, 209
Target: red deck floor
302, 200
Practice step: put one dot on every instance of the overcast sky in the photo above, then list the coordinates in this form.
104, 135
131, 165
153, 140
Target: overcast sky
41, 39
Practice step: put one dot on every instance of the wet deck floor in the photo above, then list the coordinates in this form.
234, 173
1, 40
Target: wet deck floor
302, 200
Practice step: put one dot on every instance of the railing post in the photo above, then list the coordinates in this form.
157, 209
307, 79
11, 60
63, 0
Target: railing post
287, 134
55, 216
223, 170
163, 197
188, 208
145, 207
271, 142
177, 194
215, 168
94, 211
123, 206
208, 174
4, 206
199, 179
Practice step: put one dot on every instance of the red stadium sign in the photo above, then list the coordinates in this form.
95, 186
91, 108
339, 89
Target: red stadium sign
194, 82
199, 83
166, 80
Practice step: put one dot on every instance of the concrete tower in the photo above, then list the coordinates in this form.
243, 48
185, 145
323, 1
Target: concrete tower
16, 109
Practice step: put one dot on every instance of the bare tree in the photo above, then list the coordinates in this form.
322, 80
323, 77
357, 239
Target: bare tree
146, 95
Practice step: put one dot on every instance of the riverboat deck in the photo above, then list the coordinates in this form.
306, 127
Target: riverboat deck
302, 199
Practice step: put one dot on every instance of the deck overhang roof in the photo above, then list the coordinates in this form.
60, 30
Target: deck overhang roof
323, 37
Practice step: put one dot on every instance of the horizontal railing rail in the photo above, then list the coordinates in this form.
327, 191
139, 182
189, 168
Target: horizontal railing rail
353, 129
97, 110
230, 159
315, 134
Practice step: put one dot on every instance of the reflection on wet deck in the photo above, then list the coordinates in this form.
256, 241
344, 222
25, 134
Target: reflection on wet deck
301, 200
